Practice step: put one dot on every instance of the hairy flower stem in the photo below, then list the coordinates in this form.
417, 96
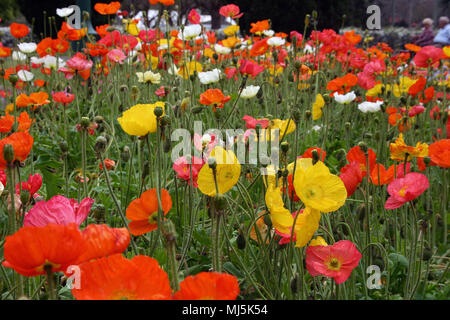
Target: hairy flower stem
51, 285
83, 160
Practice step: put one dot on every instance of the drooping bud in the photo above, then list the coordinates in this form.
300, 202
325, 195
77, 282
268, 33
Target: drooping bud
100, 144
8, 153
220, 202
315, 156
125, 154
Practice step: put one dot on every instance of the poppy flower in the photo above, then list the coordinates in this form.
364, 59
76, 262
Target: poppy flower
317, 187
6, 123
183, 169
110, 8
428, 56
22, 142
230, 11
405, 189
101, 240
214, 97
33, 184
317, 107
188, 69
69, 33
18, 30
439, 152
250, 122
63, 97
352, 176
336, 261
109, 164
417, 87
5, 52
228, 171
342, 84
31, 250
400, 151
291, 191
194, 17
412, 47
260, 227
58, 210
140, 119
352, 38
308, 153
143, 211
259, 26
118, 278
380, 176
356, 154
248, 67
208, 286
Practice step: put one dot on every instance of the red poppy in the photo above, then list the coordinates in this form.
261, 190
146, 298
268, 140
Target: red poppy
336, 261
260, 26
342, 84
352, 176
118, 278
63, 97
428, 56
248, 67
32, 249
5, 52
143, 212
231, 11
380, 176
308, 153
18, 30
33, 184
417, 87
356, 154
109, 164
291, 190
250, 122
208, 286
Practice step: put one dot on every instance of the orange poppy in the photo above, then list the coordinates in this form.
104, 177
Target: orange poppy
380, 176
261, 228
308, 153
6, 123
208, 286
342, 84
412, 47
101, 30
260, 26
31, 249
399, 150
39, 83
417, 87
110, 8
439, 152
143, 212
102, 240
214, 97
351, 37
22, 142
5, 52
45, 47
18, 30
69, 33
24, 122
35, 99
118, 278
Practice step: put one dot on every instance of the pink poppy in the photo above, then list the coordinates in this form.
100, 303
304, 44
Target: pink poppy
59, 210
336, 261
147, 35
352, 176
298, 36
116, 56
250, 122
183, 169
194, 17
162, 91
250, 68
406, 189
416, 110
231, 11
207, 141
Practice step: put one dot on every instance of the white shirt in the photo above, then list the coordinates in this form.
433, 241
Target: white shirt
443, 35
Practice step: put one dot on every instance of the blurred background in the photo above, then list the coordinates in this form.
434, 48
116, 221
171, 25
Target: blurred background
401, 20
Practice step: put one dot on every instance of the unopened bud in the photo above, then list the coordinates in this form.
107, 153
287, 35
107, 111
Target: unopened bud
158, 111
100, 144
212, 162
8, 153
315, 156
125, 154
284, 146
13, 78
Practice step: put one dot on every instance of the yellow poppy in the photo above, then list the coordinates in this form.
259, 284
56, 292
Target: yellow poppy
140, 119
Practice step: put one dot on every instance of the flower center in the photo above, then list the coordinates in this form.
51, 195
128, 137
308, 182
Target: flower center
123, 295
402, 191
333, 264
153, 218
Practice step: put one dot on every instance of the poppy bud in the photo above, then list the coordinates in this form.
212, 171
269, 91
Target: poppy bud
145, 170
86, 16
220, 201
348, 125
284, 147
260, 93
85, 122
135, 93
297, 64
368, 135
123, 88
363, 146
125, 154
167, 146
264, 160
13, 78
215, 56
240, 241
295, 281
361, 212
308, 114
100, 144
197, 109
168, 230
184, 103
99, 119
25, 196
307, 19
427, 254
165, 120
212, 162
341, 154
8, 153
315, 156
296, 115
268, 221
290, 78
218, 113
158, 111
99, 213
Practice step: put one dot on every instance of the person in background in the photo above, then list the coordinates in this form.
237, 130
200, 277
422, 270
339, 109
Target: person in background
443, 36
427, 36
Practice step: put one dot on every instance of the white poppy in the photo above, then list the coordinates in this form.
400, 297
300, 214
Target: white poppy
276, 41
249, 92
18, 56
209, 76
149, 76
2, 187
27, 47
370, 106
268, 33
221, 49
64, 12
190, 32
345, 98
25, 75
